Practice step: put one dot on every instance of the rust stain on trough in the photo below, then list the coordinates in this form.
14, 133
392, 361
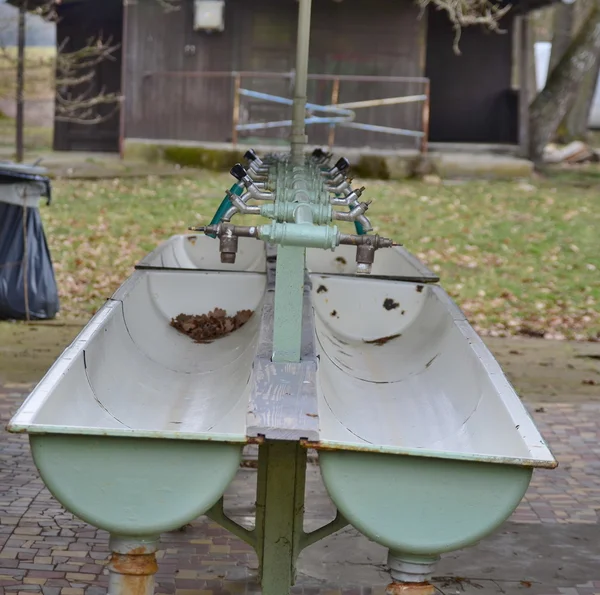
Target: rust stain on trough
341, 260
137, 563
424, 588
383, 340
390, 304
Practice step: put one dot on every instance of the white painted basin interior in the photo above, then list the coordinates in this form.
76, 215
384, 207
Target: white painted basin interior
130, 373
393, 262
195, 252
202, 252
433, 389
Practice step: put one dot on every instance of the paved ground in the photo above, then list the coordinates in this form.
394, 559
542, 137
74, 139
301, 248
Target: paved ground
551, 546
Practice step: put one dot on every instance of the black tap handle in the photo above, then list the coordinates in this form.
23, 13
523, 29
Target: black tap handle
342, 164
250, 155
238, 171
318, 153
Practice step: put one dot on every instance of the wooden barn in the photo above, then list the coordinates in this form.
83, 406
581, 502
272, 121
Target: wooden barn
181, 82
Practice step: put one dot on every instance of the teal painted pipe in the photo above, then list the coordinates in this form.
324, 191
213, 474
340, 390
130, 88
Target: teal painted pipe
238, 190
359, 228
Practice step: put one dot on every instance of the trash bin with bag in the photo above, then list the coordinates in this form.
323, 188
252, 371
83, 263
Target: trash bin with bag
28, 288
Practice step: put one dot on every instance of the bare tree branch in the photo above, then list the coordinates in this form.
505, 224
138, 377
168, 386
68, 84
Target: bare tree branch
169, 5
466, 13
78, 99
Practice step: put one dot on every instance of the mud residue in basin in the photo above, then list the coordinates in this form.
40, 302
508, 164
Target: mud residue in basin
341, 260
390, 304
322, 289
334, 314
205, 328
383, 340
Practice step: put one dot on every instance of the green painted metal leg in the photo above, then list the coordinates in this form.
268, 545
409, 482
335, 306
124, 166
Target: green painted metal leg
281, 482
289, 296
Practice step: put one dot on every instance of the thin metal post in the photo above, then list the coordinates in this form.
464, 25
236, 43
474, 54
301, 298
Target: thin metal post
335, 95
425, 118
298, 137
124, 65
20, 80
237, 83
524, 65
289, 302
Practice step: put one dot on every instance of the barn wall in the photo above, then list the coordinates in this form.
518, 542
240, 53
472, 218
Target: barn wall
352, 37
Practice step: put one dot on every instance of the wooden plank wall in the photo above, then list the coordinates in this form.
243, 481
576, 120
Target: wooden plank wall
353, 37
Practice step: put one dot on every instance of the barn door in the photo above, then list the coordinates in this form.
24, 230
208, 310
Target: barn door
471, 96
269, 45
77, 24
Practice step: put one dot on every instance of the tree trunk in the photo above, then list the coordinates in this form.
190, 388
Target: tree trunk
554, 102
575, 125
562, 26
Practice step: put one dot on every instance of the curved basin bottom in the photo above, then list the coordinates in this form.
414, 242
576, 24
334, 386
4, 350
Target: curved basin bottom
422, 506
135, 486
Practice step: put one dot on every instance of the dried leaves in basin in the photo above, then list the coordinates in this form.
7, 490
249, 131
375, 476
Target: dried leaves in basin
204, 328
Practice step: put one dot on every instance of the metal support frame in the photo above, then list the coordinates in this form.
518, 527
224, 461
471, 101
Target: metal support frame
289, 296
278, 535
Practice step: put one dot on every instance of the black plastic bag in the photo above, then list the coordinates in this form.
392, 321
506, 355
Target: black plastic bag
27, 284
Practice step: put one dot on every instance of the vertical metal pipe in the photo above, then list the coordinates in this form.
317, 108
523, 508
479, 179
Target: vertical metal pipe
20, 80
237, 83
335, 95
425, 118
524, 90
124, 65
298, 138
132, 566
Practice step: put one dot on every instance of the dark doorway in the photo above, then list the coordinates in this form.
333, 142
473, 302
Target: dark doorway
79, 22
471, 95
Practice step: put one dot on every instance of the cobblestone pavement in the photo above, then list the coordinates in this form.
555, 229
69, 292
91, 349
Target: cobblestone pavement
43, 549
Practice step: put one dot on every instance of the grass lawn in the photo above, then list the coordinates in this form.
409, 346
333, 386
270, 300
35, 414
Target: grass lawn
519, 258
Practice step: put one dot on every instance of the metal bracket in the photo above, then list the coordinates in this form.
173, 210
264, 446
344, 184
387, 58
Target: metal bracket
217, 514
338, 523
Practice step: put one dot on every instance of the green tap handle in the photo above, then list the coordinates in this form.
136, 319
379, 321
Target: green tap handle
238, 190
359, 228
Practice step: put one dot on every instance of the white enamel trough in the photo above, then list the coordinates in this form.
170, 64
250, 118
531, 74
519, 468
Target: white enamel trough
425, 447
130, 378
200, 252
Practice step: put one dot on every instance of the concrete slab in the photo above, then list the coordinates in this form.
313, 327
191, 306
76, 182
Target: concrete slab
366, 162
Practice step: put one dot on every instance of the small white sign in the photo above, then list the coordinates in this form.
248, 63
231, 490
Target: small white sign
209, 15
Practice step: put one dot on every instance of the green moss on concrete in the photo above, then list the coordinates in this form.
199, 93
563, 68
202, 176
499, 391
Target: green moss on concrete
213, 159
143, 152
477, 167
372, 167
